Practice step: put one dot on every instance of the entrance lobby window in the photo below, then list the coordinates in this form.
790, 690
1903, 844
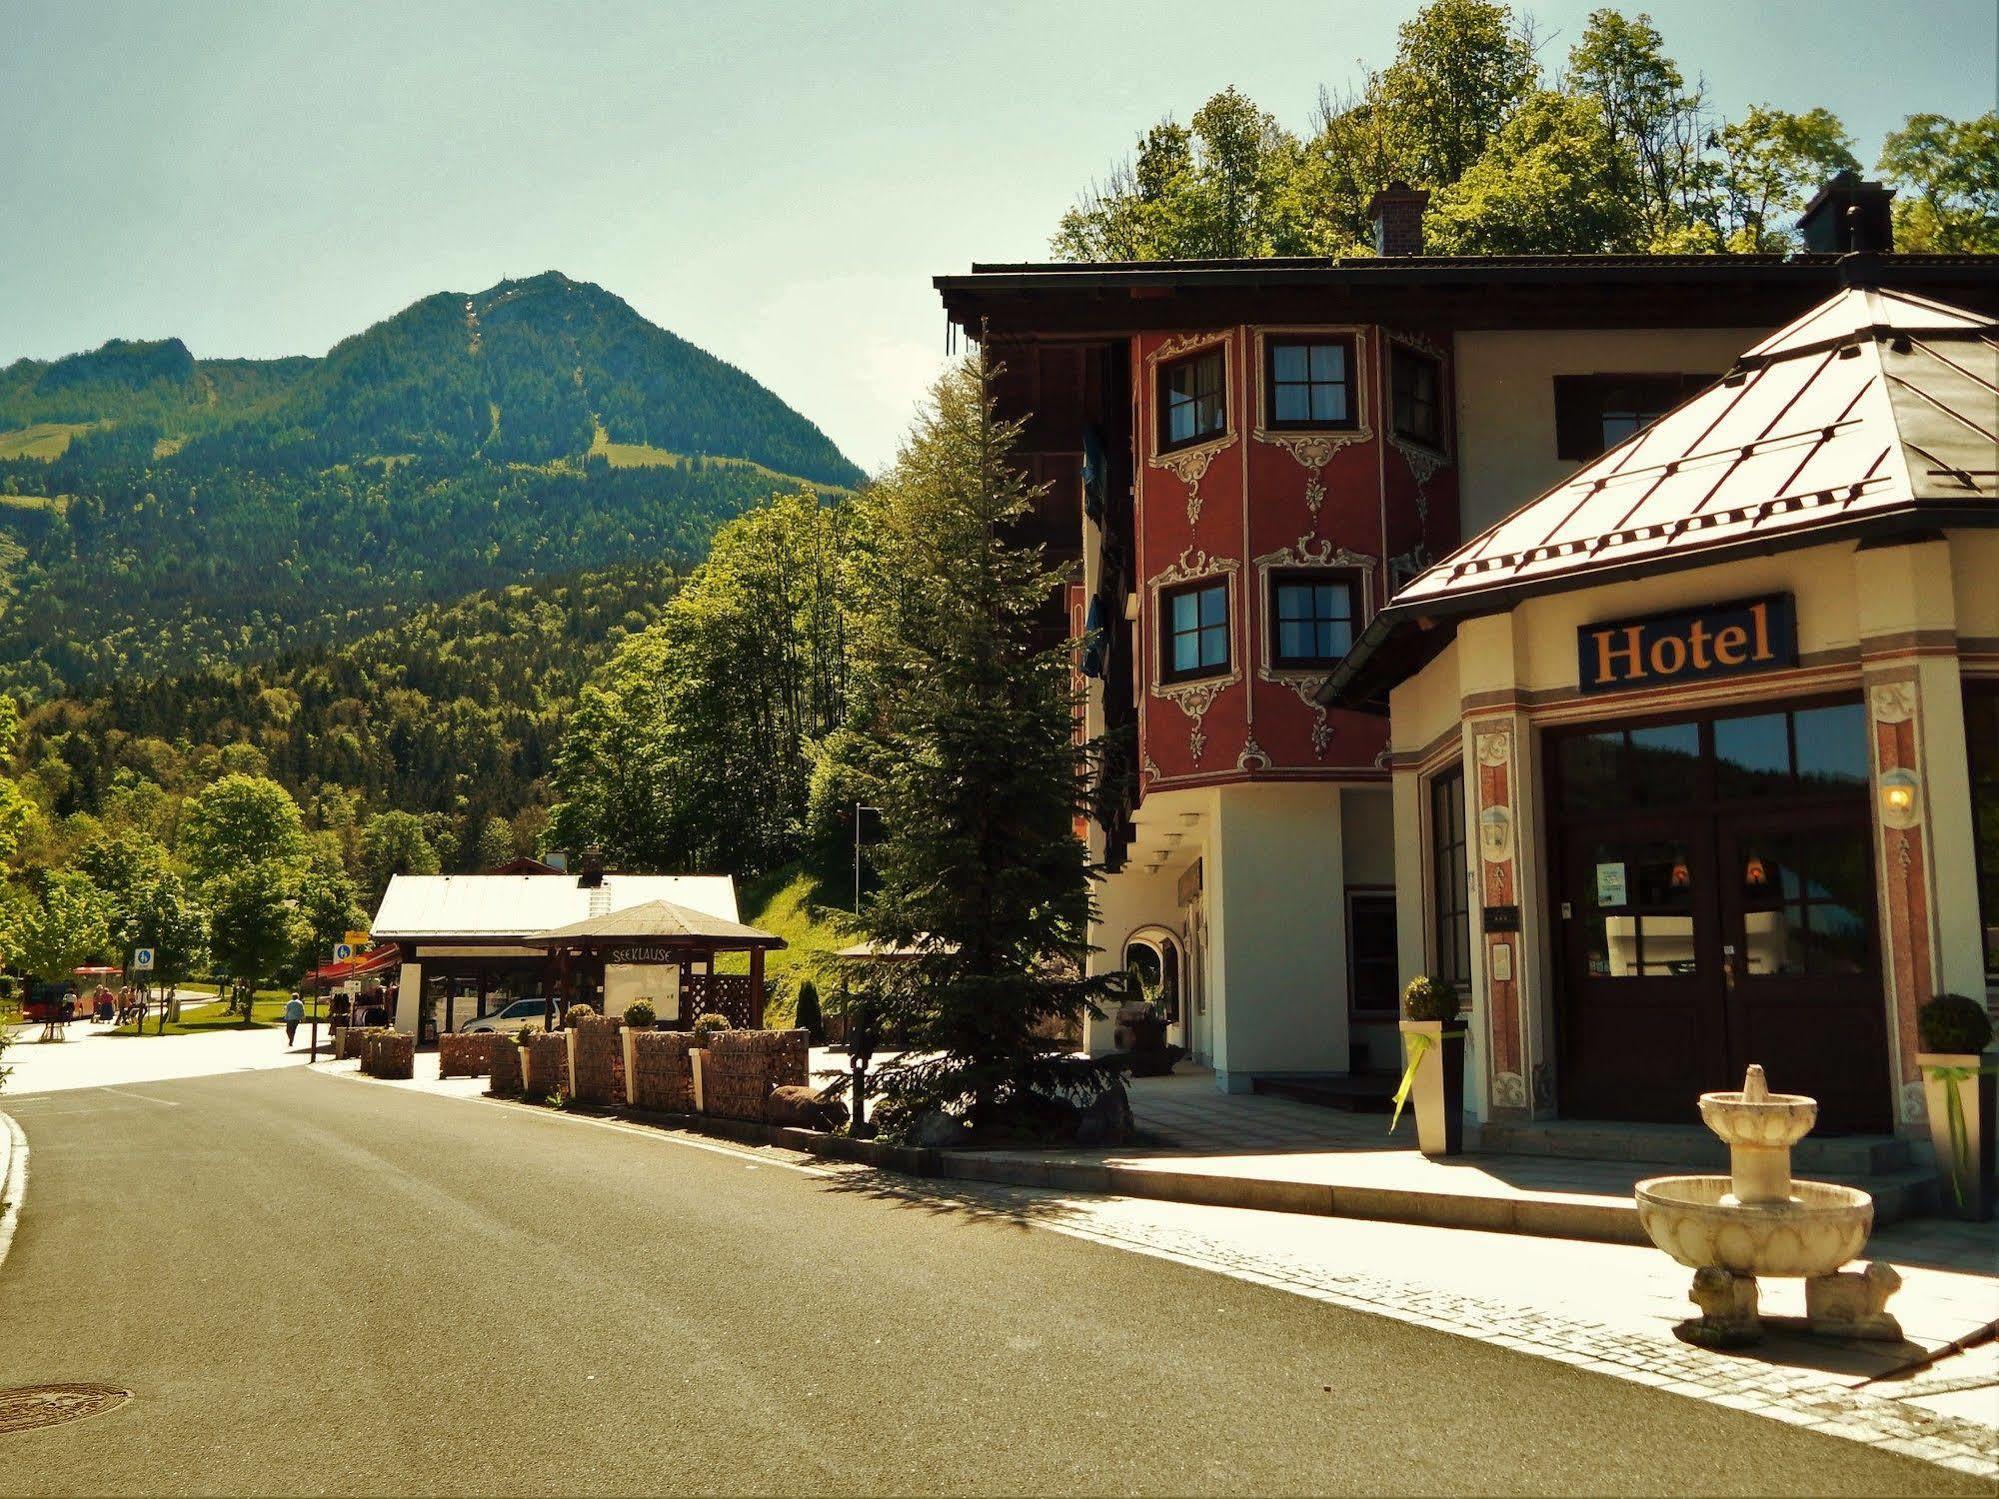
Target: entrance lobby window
1804, 902
1785, 754
1981, 731
1449, 871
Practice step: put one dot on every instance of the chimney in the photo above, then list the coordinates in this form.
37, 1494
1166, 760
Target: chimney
592, 874
1847, 216
1397, 214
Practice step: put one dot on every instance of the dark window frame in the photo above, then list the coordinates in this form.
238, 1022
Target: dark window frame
1347, 343
1382, 896
1343, 577
1167, 634
1450, 877
1163, 405
1401, 355
1981, 723
1582, 401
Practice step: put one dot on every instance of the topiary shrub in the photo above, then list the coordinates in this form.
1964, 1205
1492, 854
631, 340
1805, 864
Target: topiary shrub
640, 1015
1428, 997
807, 1017
709, 1026
525, 1034
576, 1014
1954, 1023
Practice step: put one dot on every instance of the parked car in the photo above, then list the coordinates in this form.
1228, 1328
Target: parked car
510, 1017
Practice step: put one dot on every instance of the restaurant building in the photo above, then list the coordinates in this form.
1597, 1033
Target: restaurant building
1695, 756
1246, 462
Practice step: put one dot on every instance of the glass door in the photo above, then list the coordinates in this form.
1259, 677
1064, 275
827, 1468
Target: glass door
1799, 959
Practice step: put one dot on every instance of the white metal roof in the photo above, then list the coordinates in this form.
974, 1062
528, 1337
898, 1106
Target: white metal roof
1870, 404
417, 906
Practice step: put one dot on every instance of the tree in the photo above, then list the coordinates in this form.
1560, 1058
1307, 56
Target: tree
15, 809
980, 865
168, 919
1947, 172
494, 846
1653, 124
254, 927
1540, 189
1771, 163
122, 862
239, 821
62, 927
327, 909
1462, 67
393, 843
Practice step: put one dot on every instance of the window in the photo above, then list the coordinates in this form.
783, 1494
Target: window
1981, 728
1418, 381
1594, 413
1196, 631
1450, 876
1311, 618
1193, 399
1372, 961
1308, 383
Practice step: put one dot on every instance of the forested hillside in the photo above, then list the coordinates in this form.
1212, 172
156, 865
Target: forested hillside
162, 513
453, 714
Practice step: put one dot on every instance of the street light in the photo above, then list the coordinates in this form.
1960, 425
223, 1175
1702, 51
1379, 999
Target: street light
858, 810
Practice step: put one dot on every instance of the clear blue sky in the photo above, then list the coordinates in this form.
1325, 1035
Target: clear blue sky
776, 182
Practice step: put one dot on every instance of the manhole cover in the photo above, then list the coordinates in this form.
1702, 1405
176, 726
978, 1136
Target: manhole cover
52, 1404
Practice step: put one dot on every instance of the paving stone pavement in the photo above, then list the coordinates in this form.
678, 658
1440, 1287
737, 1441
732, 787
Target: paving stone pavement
1840, 1404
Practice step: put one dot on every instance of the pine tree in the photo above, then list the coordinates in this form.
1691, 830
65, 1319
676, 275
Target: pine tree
967, 690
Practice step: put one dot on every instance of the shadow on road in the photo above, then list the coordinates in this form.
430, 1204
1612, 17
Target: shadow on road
975, 1202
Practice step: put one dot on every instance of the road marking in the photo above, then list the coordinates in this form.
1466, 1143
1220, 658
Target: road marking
15, 1187
164, 1103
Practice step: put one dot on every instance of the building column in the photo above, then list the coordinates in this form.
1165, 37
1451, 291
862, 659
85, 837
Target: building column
1926, 872
409, 997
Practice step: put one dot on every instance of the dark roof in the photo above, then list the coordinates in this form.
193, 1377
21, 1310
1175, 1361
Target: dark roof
1469, 291
658, 921
1875, 412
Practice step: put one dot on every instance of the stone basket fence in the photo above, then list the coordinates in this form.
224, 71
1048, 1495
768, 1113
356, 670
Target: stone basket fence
388, 1054
737, 1071
547, 1062
505, 1063
463, 1055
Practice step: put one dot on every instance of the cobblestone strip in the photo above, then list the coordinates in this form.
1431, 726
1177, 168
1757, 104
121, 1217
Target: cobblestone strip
1803, 1397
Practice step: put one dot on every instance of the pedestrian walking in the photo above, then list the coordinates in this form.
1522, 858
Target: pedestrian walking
294, 1013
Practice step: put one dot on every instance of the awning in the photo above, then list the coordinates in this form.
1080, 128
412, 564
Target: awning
375, 960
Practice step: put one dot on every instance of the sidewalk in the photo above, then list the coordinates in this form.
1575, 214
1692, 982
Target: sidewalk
93, 1056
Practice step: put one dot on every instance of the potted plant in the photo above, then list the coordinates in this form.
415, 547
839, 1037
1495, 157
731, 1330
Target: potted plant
1959, 1089
1140, 1032
639, 1016
706, 1028
1433, 1045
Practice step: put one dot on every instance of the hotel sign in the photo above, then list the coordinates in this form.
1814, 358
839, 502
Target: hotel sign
1688, 645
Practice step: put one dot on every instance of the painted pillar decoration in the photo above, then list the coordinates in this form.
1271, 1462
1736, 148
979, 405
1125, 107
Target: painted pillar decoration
1904, 875
1499, 886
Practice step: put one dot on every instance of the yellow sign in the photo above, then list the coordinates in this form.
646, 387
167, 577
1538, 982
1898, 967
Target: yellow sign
356, 940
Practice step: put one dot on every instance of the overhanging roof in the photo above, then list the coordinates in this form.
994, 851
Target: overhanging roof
510, 907
658, 921
1875, 412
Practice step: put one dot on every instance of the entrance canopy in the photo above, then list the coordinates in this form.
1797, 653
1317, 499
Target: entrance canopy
1872, 415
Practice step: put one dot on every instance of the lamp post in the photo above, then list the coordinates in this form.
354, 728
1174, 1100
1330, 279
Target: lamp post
858, 810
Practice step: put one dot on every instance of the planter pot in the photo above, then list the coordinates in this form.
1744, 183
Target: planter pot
628, 1039
1964, 1149
1439, 1092
697, 1057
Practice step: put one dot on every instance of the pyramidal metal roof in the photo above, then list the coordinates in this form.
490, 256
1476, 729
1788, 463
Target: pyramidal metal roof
1869, 404
1874, 409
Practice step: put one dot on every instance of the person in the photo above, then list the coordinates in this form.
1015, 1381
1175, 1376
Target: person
294, 1013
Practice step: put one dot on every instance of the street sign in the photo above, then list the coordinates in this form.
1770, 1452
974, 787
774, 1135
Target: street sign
357, 939
142, 960
342, 951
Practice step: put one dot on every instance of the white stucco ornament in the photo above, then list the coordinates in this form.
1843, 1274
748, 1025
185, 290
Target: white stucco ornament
1495, 748
1894, 702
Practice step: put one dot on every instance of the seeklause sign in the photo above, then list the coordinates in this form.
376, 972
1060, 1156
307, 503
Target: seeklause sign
1688, 645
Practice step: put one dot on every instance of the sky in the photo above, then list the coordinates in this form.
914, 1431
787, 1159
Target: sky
776, 182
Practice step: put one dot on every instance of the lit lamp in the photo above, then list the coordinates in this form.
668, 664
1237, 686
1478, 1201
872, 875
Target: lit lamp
1900, 800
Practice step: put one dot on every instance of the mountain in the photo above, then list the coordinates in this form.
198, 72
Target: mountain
160, 512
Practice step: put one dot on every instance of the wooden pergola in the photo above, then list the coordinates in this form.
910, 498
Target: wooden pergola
659, 933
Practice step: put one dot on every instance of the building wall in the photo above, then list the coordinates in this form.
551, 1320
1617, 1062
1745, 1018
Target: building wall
1902, 625
1506, 399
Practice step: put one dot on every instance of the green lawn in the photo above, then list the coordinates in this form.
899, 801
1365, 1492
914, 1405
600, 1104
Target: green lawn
797, 906
45, 440
644, 455
267, 1010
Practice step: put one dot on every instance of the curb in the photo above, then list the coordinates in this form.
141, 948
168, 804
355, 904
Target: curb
13, 1179
1536, 1217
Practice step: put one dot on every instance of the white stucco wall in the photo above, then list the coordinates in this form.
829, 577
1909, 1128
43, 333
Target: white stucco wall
1506, 399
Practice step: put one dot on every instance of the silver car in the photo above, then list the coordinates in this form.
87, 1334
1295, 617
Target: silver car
510, 1017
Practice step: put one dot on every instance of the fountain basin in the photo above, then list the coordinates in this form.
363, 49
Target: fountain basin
1699, 1222
1774, 1121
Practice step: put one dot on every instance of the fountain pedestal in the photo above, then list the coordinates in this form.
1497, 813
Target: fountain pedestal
1758, 1221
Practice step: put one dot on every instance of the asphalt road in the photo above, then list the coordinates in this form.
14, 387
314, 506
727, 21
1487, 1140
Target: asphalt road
317, 1284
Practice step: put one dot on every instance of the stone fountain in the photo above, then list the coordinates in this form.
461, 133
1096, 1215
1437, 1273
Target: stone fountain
1757, 1221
